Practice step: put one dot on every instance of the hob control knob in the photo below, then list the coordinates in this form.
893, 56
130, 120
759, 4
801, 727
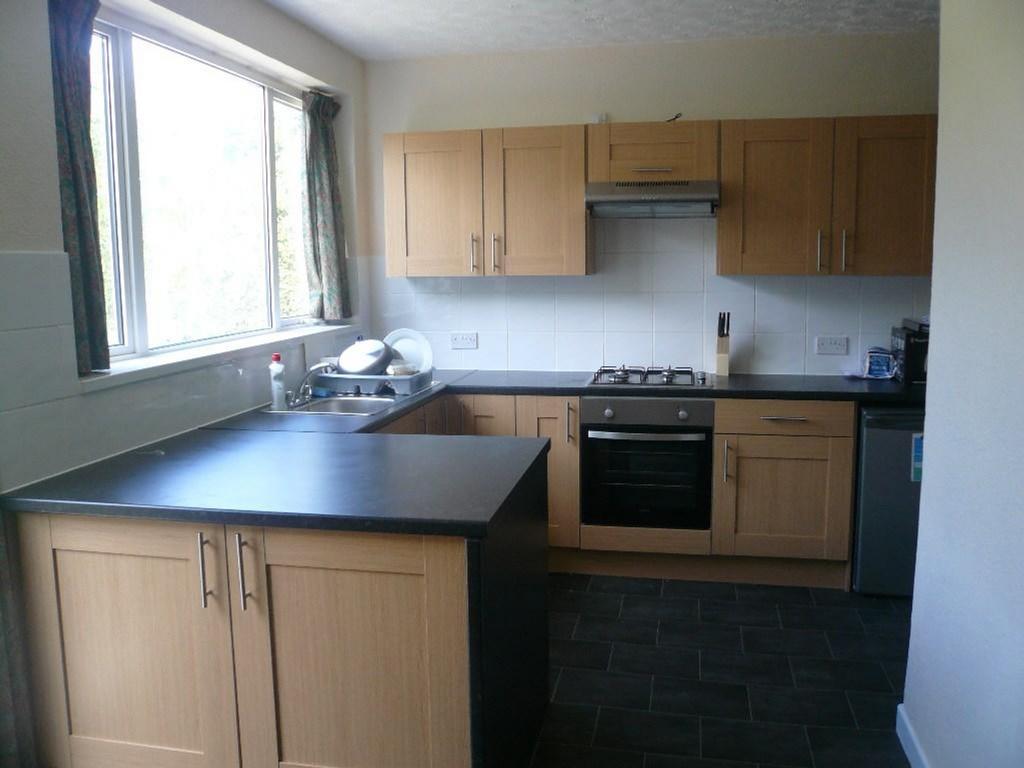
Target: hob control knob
683, 415
609, 413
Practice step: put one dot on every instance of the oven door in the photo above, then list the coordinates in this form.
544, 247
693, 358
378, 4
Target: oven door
647, 477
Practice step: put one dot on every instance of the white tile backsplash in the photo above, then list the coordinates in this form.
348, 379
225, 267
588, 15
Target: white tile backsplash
655, 299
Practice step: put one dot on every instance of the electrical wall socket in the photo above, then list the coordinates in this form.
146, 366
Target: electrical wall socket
831, 345
464, 341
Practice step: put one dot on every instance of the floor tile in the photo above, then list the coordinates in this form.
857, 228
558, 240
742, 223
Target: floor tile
814, 617
896, 671
839, 597
569, 724
827, 674
745, 668
623, 585
551, 755
645, 607
755, 742
849, 748
622, 630
586, 686
852, 645
585, 603
712, 590
801, 707
758, 593
885, 622
696, 635
745, 614
874, 710
653, 731
576, 581
587, 654
795, 642
674, 761
561, 624
693, 697
655, 660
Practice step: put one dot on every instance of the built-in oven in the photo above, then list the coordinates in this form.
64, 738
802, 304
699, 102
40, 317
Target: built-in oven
647, 461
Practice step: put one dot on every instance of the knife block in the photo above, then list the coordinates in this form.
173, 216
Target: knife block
722, 357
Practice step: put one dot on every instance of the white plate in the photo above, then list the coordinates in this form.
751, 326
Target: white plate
412, 346
366, 357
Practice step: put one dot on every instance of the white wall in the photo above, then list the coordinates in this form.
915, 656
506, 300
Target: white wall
48, 421
965, 681
705, 79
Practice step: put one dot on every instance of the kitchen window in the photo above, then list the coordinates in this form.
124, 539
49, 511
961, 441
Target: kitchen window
200, 180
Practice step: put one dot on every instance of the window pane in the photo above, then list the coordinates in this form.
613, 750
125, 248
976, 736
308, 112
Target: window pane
102, 145
290, 193
201, 164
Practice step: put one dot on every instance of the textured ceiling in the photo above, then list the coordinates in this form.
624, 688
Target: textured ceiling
400, 29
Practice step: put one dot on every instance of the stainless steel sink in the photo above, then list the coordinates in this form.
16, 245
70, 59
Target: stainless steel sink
349, 405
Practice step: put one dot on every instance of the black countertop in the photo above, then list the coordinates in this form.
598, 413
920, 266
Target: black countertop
378, 483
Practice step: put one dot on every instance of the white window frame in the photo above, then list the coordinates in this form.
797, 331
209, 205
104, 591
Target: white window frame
126, 193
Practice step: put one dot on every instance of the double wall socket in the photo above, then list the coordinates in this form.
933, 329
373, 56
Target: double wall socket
831, 345
464, 341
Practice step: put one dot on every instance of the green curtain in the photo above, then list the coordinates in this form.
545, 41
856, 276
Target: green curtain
17, 748
329, 295
70, 39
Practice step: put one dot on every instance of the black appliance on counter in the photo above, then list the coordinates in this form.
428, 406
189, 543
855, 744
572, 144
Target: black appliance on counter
910, 345
647, 462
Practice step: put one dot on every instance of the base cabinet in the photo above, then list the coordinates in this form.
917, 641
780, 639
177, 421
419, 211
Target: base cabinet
338, 649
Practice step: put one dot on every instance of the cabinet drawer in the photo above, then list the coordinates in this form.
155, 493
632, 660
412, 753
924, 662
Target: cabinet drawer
785, 417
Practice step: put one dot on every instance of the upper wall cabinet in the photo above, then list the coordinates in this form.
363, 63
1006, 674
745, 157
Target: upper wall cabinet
496, 202
534, 215
884, 199
776, 207
432, 210
827, 196
683, 151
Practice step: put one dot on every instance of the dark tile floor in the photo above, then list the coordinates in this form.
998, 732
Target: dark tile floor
680, 674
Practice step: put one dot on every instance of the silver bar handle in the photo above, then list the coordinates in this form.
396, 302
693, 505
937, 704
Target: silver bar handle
819, 250
472, 252
725, 464
568, 421
651, 170
494, 256
783, 418
243, 593
651, 437
204, 593
844, 249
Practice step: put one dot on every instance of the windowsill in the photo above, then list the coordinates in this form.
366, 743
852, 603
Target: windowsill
135, 369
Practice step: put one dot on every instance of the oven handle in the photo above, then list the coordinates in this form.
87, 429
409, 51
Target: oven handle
655, 437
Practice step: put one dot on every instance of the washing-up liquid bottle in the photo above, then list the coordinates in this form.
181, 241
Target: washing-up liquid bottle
278, 398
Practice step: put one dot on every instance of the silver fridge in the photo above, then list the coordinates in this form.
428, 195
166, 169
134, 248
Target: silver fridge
888, 497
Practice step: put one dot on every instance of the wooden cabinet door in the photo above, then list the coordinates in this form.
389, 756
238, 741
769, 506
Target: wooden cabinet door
352, 649
434, 420
412, 423
776, 209
781, 496
493, 415
680, 151
884, 195
558, 419
132, 664
534, 214
433, 214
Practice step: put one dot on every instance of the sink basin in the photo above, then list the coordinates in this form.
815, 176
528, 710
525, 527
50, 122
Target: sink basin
354, 405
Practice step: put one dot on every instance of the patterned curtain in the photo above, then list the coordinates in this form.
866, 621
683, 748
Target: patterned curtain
70, 39
17, 748
325, 255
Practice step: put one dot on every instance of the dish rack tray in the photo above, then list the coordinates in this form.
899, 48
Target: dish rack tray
348, 382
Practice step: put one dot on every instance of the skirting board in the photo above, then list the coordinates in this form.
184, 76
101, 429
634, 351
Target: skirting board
908, 739
749, 570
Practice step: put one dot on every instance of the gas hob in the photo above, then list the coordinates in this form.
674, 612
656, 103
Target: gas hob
640, 376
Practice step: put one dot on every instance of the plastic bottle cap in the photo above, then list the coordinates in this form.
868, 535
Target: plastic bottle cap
276, 357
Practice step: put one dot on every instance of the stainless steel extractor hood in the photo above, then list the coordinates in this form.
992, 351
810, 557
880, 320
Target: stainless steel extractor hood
652, 199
